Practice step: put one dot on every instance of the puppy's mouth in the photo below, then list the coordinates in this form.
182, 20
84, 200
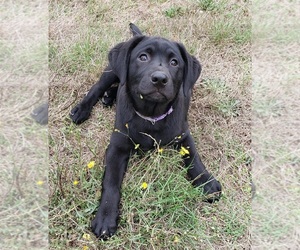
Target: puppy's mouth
154, 96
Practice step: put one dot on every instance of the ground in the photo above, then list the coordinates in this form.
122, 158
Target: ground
275, 129
244, 117
170, 213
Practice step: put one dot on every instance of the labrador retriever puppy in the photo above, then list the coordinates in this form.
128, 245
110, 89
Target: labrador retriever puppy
155, 78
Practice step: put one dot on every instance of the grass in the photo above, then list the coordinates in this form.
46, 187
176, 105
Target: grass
225, 104
87, 51
24, 191
156, 215
170, 213
23, 144
207, 5
164, 215
275, 117
174, 11
229, 29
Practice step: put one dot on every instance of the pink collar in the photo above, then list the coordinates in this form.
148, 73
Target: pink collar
153, 120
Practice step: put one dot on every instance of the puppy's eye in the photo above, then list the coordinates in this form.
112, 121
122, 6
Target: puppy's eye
143, 57
174, 62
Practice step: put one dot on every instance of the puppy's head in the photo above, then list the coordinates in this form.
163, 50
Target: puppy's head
154, 68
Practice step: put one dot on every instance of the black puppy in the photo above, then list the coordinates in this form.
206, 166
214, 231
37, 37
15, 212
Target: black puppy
155, 79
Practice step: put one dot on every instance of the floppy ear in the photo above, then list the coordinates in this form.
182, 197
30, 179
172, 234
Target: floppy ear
119, 57
135, 30
192, 69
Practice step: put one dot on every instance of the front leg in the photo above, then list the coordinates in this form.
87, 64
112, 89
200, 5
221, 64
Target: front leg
82, 111
104, 225
197, 171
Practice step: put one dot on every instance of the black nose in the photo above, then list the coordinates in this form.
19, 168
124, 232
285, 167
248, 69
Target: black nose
159, 77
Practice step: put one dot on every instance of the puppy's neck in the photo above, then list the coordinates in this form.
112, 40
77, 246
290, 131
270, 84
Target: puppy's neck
152, 109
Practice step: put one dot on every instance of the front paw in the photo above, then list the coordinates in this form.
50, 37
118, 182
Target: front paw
104, 226
212, 190
80, 113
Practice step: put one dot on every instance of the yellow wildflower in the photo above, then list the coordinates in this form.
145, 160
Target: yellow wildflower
86, 236
160, 150
144, 185
75, 182
39, 183
183, 151
91, 164
176, 239
85, 248
136, 146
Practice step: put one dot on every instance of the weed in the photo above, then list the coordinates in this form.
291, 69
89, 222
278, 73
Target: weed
267, 108
230, 107
217, 86
209, 5
83, 55
174, 11
206, 4
229, 27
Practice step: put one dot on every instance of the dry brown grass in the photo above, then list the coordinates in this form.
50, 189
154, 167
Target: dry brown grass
220, 118
275, 144
23, 144
81, 34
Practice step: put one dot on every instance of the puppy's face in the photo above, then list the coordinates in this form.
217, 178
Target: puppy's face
156, 70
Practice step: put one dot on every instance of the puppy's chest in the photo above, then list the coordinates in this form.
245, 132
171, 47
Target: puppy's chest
149, 136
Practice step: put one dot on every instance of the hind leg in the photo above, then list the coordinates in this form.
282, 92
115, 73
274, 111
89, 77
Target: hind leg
110, 96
